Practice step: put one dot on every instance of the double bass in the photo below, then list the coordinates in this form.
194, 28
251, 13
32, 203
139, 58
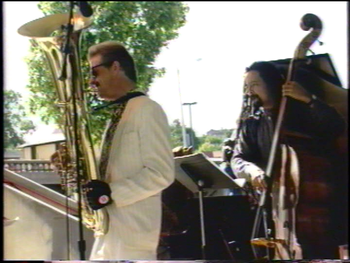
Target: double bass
283, 172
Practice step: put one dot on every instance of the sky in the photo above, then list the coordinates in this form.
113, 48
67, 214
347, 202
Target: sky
206, 62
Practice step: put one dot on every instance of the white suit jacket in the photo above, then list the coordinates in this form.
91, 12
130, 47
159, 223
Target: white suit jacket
140, 166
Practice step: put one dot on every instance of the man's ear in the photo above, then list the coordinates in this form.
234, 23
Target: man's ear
116, 66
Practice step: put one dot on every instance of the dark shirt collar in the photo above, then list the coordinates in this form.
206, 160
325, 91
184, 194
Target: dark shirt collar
125, 98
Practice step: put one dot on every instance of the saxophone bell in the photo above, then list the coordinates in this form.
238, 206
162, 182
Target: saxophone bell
47, 34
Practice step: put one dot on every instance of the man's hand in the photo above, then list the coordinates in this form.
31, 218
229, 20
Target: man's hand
98, 194
256, 177
259, 182
295, 90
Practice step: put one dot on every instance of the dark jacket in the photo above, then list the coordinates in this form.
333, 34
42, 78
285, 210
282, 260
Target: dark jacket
317, 124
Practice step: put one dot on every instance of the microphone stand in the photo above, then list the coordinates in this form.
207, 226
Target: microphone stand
66, 50
200, 184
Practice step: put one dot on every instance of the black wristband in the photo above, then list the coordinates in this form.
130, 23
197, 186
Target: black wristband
313, 99
98, 194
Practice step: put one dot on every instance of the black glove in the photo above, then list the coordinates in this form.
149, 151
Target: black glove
98, 194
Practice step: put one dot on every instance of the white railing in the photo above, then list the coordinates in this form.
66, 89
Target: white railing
20, 166
40, 171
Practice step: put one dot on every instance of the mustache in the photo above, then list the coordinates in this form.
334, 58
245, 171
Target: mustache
254, 100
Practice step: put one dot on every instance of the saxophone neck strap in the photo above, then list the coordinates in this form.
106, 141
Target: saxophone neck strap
125, 98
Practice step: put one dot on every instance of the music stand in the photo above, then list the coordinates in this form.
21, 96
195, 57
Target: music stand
197, 172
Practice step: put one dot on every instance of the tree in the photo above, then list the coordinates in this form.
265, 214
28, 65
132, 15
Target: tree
210, 144
176, 134
15, 122
144, 27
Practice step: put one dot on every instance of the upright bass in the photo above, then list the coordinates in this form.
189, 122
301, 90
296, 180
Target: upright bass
283, 170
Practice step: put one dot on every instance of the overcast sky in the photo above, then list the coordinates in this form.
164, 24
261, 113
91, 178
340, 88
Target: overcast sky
219, 40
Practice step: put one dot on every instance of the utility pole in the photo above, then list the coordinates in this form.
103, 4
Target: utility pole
184, 141
189, 104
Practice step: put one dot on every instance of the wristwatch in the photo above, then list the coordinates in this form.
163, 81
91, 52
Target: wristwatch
313, 98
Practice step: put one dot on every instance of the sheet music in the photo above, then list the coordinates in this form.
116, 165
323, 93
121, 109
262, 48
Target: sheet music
201, 167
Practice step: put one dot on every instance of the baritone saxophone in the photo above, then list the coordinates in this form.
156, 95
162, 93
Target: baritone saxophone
47, 33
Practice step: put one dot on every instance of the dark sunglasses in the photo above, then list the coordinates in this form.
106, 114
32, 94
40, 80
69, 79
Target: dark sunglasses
99, 65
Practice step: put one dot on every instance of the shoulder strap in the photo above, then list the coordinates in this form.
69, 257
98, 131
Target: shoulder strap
125, 98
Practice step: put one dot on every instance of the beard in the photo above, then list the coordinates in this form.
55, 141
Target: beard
255, 101
251, 104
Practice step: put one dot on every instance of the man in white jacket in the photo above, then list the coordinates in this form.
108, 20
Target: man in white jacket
136, 161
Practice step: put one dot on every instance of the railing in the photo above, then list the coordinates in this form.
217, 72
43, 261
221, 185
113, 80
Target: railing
40, 171
29, 165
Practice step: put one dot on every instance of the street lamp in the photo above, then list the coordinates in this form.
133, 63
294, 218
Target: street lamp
182, 114
189, 104
184, 141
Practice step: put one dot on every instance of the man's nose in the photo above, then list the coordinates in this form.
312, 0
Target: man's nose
249, 91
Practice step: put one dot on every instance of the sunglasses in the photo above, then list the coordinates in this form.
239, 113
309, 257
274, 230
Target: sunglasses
92, 69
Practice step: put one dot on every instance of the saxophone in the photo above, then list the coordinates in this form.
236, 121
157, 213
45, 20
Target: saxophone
46, 33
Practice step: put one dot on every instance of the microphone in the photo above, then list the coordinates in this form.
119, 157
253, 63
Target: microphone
85, 8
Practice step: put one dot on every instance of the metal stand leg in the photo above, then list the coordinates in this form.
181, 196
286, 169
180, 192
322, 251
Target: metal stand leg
226, 244
201, 214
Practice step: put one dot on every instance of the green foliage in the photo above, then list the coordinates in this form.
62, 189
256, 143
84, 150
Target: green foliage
208, 147
15, 122
196, 139
176, 134
144, 27
205, 143
210, 144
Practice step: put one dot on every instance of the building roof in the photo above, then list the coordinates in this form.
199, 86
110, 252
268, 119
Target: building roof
41, 143
44, 135
50, 138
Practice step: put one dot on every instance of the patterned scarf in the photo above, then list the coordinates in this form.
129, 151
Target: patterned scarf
120, 106
107, 142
